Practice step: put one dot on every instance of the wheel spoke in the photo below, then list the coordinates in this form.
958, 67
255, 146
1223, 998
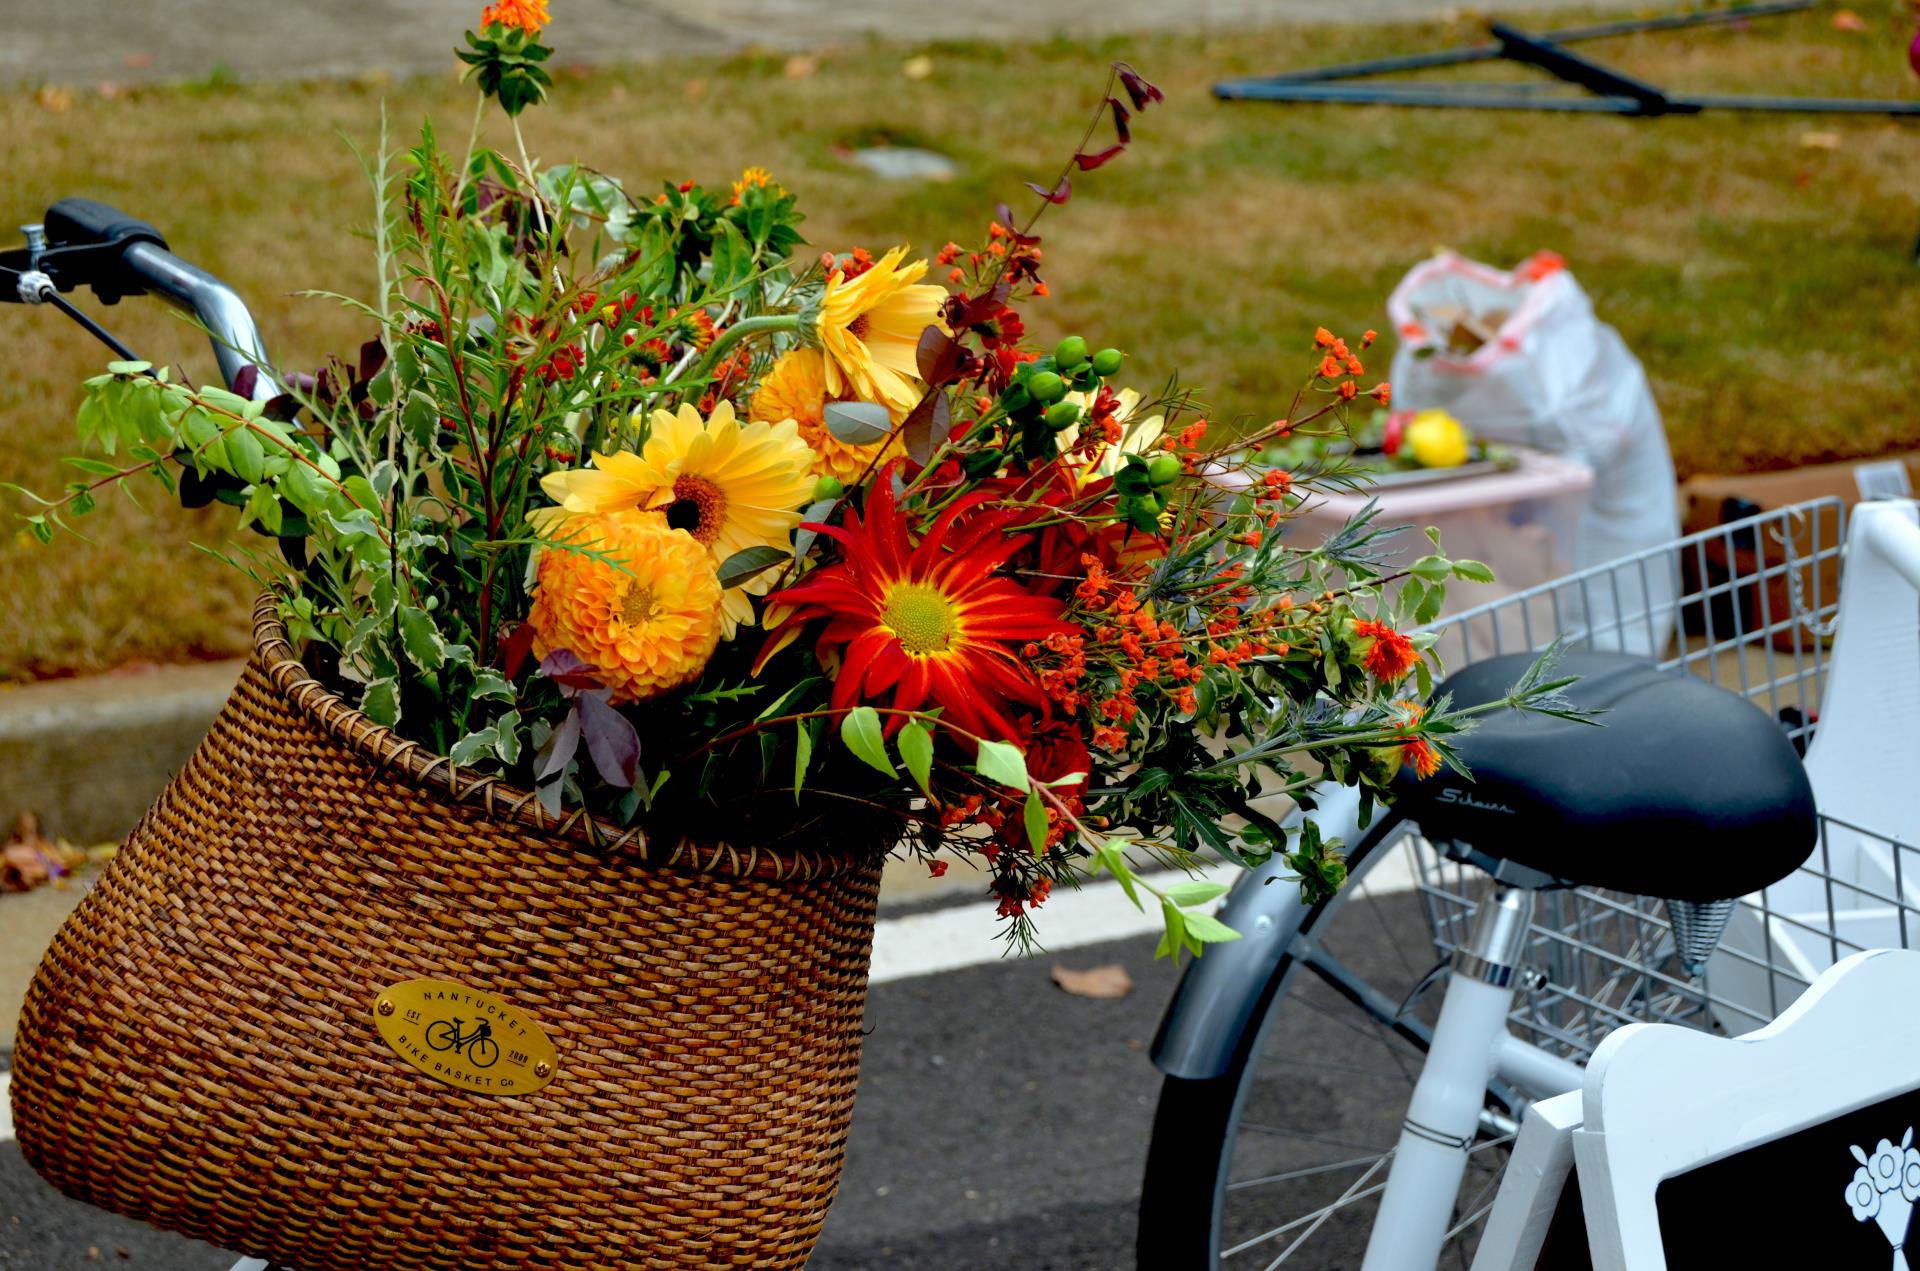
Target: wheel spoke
1282, 1132
1306, 1172
1315, 1112
1318, 1216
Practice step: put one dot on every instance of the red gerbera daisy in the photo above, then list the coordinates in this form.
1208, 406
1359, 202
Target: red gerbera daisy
1390, 655
929, 622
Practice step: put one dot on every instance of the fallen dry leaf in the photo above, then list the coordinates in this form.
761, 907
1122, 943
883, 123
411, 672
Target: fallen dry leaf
917, 67
54, 98
29, 859
1848, 20
799, 66
1820, 141
1110, 980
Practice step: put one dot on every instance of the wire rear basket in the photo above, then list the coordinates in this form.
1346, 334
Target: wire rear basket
1751, 606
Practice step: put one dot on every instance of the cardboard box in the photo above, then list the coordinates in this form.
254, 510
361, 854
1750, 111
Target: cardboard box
1712, 500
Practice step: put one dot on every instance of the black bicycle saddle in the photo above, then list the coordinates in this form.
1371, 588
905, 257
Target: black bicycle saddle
1682, 790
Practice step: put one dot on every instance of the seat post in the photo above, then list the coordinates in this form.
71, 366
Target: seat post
1494, 952
1443, 1119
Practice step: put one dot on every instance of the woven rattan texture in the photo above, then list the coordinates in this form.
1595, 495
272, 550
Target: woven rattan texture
197, 1048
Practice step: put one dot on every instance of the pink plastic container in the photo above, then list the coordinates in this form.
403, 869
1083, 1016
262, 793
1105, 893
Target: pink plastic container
1521, 522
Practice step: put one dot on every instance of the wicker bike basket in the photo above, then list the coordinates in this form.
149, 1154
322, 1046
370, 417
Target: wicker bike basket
199, 1049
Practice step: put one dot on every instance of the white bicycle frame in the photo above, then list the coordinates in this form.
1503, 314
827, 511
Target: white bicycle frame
1472, 1045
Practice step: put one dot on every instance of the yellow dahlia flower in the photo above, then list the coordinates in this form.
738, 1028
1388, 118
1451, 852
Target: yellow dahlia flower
795, 388
869, 328
730, 486
646, 625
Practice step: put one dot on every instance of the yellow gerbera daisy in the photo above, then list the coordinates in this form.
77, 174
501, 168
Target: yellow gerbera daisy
795, 388
646, 618
1136, 438
730, 486
870, 328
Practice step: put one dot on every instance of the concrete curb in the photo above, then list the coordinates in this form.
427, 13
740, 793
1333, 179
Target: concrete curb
87, 757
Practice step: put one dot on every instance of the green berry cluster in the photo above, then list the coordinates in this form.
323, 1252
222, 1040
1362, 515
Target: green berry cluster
1036, 406
1145, 486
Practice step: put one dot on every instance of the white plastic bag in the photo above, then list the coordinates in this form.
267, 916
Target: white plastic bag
1550, 375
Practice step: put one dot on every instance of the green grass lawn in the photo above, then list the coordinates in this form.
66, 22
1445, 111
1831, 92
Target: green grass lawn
1757, 264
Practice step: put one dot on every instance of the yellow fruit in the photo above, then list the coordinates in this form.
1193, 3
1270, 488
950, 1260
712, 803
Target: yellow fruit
1435, 439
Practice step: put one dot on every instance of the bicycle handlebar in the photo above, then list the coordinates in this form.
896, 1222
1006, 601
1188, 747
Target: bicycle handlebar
235, 337
87, 243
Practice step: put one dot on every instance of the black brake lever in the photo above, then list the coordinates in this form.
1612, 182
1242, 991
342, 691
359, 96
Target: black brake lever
81, 244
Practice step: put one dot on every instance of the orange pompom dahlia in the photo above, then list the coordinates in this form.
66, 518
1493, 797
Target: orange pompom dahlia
646, 618
795, 388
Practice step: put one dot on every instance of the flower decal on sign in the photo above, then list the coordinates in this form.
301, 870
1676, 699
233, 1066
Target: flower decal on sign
1884, 1189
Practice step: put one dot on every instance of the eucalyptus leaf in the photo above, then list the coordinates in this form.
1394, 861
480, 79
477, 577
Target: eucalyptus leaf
817, 512
858, 423
743, 565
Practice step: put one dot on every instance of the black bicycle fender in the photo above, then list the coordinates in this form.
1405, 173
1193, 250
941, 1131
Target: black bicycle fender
1225, 990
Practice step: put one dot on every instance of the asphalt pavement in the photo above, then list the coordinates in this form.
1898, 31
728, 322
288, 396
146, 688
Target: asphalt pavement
1001, 1123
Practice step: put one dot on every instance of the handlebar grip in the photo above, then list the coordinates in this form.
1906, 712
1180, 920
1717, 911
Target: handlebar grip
76, 222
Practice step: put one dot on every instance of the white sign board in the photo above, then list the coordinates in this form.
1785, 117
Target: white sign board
1794, 1146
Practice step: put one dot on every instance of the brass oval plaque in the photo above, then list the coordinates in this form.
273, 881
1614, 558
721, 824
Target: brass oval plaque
468, 1039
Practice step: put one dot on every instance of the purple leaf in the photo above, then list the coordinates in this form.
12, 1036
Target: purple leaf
1120, 117
938, 356
245, 380
569, 672
611, 739
1139, 90
1059, 194
963, 313
927, 427
373, 356
1088, 162
1003, 214
552, 760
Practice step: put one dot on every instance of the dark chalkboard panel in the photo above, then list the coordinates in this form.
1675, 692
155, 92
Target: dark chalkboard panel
1803, 1200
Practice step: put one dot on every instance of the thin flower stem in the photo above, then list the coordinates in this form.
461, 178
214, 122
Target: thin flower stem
533, 182
473, 143
761, 325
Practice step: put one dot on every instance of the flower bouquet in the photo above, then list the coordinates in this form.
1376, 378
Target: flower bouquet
643, 580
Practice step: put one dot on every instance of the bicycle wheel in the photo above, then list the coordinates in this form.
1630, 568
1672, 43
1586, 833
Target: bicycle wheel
442, 1035
1279, 1161
483, 1052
